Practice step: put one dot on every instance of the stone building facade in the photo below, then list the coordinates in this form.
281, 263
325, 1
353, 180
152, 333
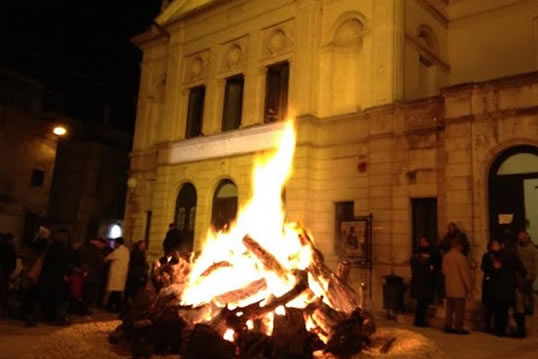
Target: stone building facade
395, 102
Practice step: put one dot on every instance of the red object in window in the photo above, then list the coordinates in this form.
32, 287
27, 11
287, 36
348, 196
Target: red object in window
362, 166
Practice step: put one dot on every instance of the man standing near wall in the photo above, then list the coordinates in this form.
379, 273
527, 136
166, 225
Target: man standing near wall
453, 232
172, 241
457, 286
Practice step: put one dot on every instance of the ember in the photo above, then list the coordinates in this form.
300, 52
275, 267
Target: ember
260, 289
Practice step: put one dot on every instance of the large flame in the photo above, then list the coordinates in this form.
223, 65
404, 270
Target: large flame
263, 219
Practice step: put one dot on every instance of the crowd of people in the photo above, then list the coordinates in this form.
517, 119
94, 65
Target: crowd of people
56, 276
509, 270
53, 277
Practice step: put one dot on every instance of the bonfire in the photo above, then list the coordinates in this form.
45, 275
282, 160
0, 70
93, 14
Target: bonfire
259, 289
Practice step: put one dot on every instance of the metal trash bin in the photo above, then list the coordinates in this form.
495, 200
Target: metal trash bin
393, 293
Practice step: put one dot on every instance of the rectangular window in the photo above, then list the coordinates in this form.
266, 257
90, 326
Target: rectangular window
195, 112
38, 177
276, 92
424, 220
233, 103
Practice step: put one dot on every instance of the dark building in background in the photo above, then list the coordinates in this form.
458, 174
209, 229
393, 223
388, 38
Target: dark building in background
28, 114
89, 186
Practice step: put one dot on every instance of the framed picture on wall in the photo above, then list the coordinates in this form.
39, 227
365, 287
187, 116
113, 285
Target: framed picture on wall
355, 241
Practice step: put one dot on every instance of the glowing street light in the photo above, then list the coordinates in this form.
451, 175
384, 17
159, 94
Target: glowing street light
59, 131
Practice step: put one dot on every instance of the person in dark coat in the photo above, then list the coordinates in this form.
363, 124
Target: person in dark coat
33, 254
138, 270
8, 262
507, 266
425, 265
489, 282
93, 262
76, 278
454, 233
52, 286
172, 241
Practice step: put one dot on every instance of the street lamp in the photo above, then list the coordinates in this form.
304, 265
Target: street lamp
59, 131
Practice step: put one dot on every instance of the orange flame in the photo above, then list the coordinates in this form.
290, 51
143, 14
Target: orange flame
263, 219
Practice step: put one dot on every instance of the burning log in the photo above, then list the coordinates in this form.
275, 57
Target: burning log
215, 266
267, 259
242, 293
255, 310
341, 296
326, 317
237, 318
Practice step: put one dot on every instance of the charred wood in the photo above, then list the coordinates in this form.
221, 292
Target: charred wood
387, 346
255, 345
348, 337
290, 335
205, 343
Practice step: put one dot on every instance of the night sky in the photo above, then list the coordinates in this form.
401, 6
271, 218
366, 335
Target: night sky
79, 49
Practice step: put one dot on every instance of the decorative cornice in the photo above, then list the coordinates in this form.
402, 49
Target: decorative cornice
237, 142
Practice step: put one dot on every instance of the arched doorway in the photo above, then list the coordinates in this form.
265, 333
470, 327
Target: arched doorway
513, 192
185, 215
224, 204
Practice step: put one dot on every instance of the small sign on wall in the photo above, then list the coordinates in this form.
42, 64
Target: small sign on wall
355, 240
506, 218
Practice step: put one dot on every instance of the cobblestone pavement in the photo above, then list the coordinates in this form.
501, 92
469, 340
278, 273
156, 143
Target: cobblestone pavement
477, 345
16, 340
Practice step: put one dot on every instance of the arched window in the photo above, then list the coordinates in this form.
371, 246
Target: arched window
224, 204
513, 192
185, 214
344, 61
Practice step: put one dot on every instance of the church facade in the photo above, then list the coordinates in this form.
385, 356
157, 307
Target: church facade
418, 112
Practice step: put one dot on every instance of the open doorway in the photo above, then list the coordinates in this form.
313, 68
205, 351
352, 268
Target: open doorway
513, 192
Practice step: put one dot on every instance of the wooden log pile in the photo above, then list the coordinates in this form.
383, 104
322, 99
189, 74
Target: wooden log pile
158, 324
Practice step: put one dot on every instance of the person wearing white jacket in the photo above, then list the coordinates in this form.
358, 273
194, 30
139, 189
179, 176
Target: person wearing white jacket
117, 276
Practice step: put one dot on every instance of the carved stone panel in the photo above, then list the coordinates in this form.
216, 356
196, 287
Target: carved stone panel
277, 39
196, 66
233, 54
